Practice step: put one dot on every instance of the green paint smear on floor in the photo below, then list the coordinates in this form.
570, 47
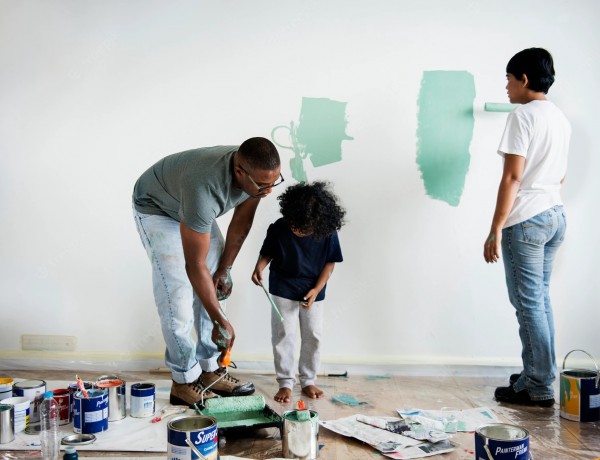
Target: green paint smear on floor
444, 133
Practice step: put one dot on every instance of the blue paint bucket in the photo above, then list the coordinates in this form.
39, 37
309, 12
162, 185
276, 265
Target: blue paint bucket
143, 399
500, 441
200, 431
90, 414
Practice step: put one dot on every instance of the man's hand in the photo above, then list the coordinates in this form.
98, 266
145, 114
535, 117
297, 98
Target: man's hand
223, 335
223, 283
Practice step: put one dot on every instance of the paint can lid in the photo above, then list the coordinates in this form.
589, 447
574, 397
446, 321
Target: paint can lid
78, 439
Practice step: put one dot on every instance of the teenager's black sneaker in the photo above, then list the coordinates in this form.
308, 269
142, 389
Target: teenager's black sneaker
510, 396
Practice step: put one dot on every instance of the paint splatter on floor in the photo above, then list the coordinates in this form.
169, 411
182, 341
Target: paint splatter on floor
445, 129
347, 399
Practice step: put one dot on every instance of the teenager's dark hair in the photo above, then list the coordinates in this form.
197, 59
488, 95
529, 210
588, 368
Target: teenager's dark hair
260, 153
537, 64
311, 208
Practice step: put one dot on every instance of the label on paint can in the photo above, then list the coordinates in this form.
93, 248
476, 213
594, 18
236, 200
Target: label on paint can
63, 398
143, 399
34, 391
503, 442
91, 414
200, 430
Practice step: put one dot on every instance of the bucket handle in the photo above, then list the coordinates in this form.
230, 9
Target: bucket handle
592, 358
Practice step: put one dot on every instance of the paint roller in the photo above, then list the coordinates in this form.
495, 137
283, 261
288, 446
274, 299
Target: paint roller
234, 405
499, 107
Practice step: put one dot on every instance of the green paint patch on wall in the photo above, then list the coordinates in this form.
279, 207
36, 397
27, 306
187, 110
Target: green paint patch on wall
318, 135
444, 132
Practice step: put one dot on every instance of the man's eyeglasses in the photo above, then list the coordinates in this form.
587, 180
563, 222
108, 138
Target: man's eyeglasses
263, 189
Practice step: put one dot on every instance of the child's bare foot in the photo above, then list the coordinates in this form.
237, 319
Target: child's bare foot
312, 391
284, 395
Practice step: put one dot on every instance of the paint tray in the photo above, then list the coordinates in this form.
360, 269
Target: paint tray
252, 416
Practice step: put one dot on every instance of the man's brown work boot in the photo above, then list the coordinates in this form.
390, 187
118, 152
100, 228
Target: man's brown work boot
188, 394
227, 385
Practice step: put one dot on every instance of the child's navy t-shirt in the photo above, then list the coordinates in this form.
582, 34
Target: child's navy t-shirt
297, 261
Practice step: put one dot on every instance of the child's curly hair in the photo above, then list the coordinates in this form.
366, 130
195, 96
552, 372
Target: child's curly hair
312, 209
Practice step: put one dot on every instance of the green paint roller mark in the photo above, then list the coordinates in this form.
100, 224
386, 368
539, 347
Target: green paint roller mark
318, 135
445, 129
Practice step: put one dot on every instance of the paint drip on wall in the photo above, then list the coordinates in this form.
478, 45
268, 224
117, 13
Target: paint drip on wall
318, 135
444, 133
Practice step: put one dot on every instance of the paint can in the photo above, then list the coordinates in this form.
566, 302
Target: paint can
22, 408
580, 392
63, 397
74, 388
200, 431
500, 441
117, 392
6, 387
91, 414
143, 399
34, 391
300, 436
7, 423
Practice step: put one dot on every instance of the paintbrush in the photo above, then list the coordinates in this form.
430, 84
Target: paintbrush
272, 303
81, 386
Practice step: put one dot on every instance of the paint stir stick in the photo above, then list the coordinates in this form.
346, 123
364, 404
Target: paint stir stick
272, 303
81, 386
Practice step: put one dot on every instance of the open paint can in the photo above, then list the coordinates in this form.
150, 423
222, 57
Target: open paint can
188, 435
116, 396
143, 399
21, 415
580, 392
300, 436
6, 387
91, 414
34, 391
500, 441
7, 423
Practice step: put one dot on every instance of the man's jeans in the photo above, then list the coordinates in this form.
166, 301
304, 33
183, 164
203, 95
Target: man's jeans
528, 249
179, 308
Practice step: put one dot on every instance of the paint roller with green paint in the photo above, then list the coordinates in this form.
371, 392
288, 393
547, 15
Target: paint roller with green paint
236, 412
499, 107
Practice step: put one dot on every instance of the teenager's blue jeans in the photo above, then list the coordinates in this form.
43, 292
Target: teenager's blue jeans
528, 250
179, 308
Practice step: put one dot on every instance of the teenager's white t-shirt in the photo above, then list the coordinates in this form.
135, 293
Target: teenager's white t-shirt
540, 132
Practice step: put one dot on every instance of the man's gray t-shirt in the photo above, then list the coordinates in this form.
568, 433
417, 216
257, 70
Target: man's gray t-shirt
195, 186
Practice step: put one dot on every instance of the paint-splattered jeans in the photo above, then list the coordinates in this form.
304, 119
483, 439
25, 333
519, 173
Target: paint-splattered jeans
179, 308
528, 249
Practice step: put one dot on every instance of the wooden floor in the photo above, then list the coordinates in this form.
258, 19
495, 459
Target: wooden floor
551, 436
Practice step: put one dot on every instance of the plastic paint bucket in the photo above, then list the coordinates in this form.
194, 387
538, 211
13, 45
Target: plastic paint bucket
22, 406
116, 397
143, 399
91, 414
580, 393
499, 441
300, 436
200, 430
7, 423
6, 387
63, 398
34, 391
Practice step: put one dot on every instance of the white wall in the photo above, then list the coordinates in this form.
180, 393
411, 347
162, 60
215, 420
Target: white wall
92, 93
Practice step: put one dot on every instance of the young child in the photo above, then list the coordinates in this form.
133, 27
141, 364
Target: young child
302, 248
